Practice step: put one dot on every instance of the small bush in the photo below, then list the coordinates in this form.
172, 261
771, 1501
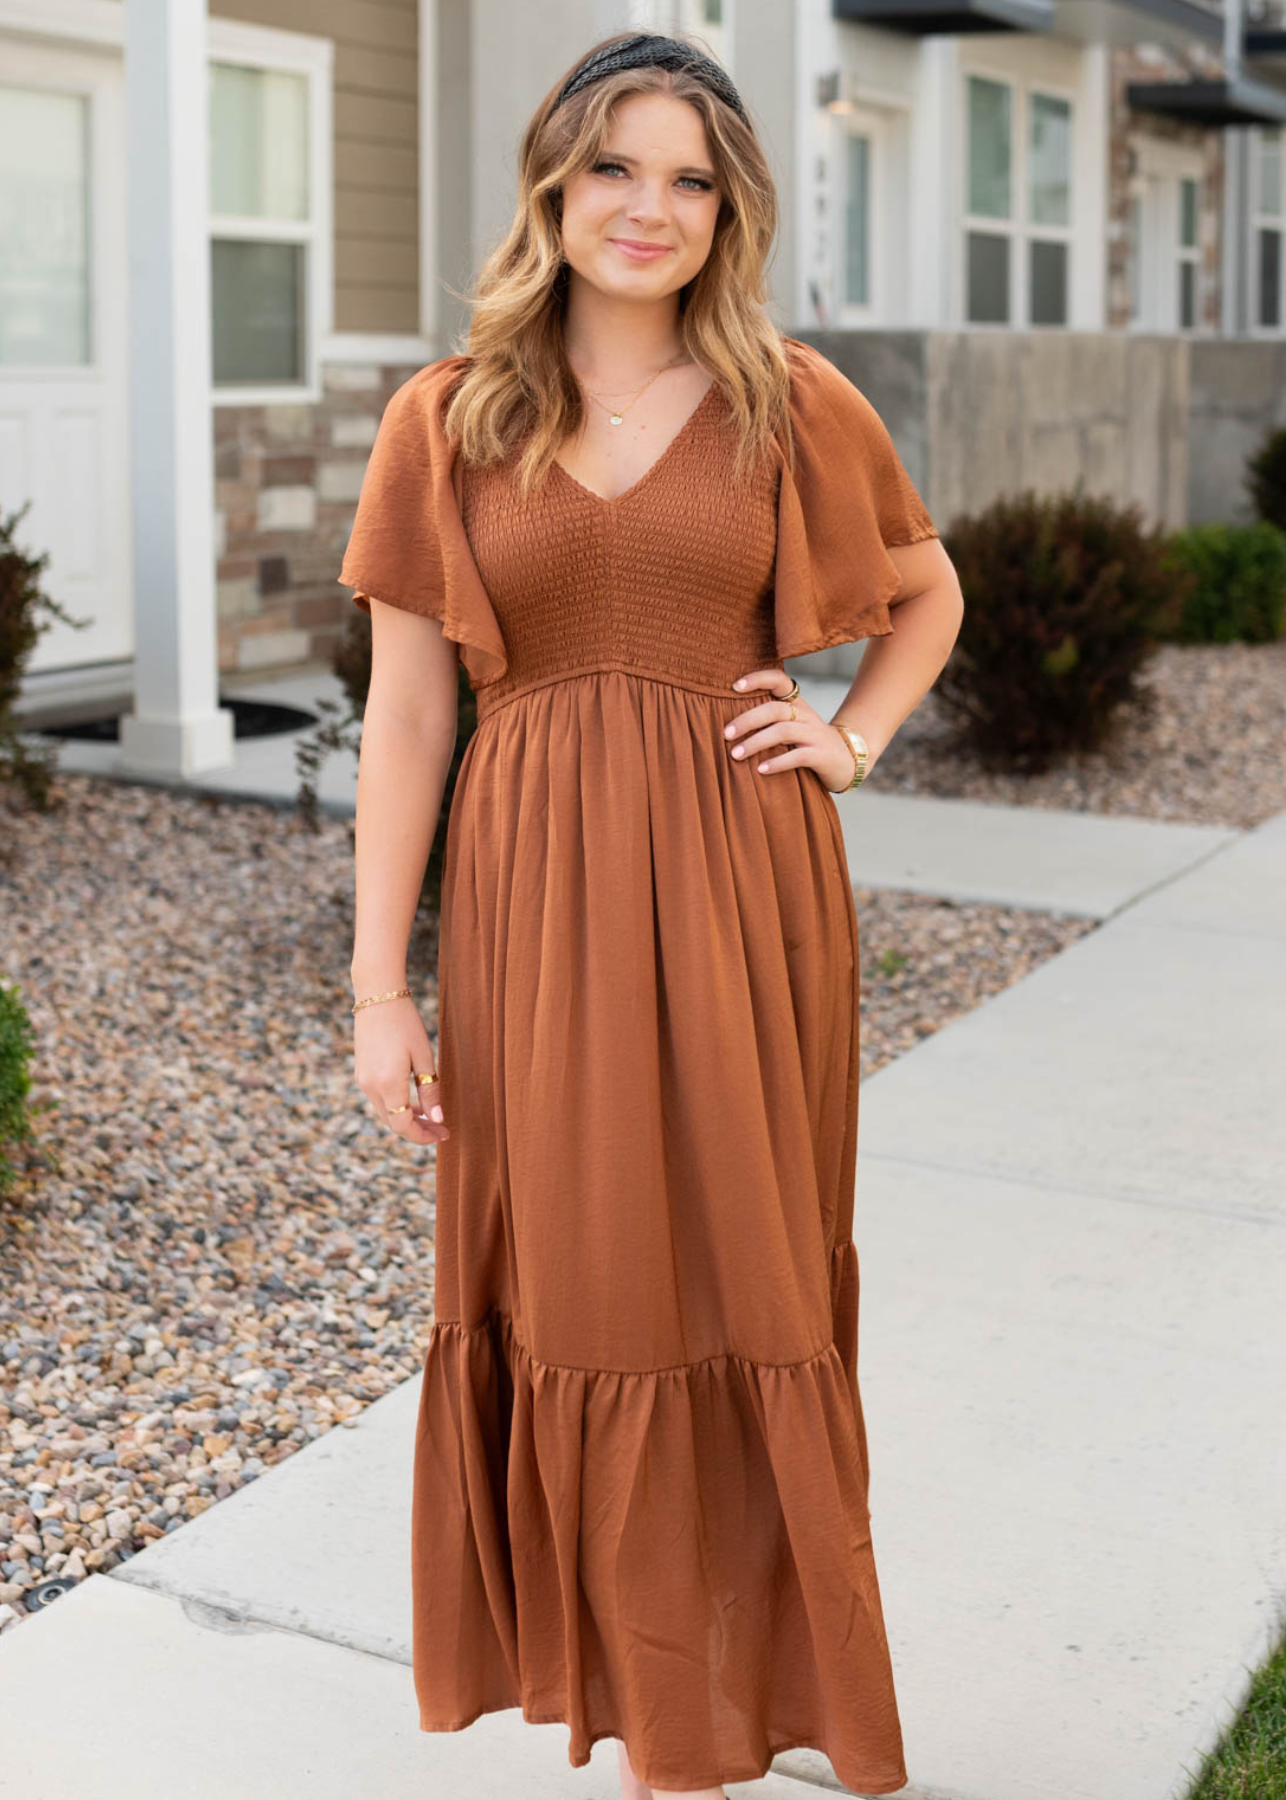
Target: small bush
1066, 598
1239, 572
341, 731
21, 600
16, 1043
1266, 479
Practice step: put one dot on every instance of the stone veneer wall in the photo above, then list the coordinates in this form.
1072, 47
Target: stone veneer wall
287, 480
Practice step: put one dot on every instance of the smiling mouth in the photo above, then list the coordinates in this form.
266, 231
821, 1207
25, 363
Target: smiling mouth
633, 249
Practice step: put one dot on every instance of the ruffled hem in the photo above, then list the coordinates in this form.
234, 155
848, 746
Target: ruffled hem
678, 1557
691, 1783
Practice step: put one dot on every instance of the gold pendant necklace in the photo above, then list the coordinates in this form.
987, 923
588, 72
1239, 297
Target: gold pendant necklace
616, 416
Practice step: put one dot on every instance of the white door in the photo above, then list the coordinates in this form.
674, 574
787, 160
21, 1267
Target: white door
63, 437
1165, 271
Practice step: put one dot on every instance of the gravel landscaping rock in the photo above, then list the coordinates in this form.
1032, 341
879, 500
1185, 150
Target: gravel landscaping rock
215, 1253
1211, 755
926, 961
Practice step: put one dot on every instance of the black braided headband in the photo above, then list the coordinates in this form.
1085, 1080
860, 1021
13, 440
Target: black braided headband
651, 49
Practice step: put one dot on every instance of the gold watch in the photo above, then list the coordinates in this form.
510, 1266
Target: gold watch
857, 744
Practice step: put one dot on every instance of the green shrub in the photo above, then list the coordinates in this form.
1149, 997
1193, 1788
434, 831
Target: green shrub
1239, 572
21, 600
1266, 479
1065, 600
16, 1043
340, 731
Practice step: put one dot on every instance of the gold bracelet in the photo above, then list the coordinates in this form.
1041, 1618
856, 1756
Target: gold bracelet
859, 751
374, 999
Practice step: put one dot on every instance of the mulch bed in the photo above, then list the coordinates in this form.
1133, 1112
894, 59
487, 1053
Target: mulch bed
1212, 755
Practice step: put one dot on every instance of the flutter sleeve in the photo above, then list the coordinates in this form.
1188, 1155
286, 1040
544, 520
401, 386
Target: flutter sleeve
408, 545
849, 501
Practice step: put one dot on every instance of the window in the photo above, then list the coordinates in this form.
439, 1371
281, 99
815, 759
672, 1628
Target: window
270, 211
45, 235
857, 219
261, 224
990, 156
708, 19
1269, 223
1018, 210
1049, 208
1189, 253
1136, 259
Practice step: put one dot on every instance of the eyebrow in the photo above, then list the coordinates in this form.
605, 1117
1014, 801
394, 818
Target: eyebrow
687, 169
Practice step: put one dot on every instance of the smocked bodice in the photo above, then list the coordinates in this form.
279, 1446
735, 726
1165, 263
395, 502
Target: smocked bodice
673, 578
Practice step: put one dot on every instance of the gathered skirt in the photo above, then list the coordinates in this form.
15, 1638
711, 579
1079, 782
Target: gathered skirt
641, 1490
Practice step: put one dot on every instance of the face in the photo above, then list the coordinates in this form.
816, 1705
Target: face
654, 185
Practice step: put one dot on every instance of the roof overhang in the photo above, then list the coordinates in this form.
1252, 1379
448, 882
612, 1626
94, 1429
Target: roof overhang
1268, 48
924, 18
1176, 24
1240, 101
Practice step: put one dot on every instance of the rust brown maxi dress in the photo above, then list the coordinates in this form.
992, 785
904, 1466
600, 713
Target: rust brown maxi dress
640, 1475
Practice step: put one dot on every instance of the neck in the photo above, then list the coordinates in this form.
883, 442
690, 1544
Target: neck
615, 344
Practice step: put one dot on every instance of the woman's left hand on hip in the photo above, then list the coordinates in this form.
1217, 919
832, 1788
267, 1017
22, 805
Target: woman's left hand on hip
807, 741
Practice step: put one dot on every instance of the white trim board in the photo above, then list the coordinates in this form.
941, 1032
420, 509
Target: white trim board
88, 21
376, 347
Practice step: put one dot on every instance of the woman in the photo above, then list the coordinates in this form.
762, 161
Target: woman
640, 1479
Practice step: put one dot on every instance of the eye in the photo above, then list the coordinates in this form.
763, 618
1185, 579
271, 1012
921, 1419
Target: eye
701, 185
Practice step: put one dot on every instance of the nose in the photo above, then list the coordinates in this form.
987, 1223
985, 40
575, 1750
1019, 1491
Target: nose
647, 206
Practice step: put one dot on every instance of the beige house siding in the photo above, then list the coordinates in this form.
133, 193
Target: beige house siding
377, 236
377, 189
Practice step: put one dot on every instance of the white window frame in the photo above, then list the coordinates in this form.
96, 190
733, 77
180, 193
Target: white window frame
1261, 221
864, 122
690, 16
1018, 227
294, 53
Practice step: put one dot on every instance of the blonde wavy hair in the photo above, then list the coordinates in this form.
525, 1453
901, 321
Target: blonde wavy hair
520, 382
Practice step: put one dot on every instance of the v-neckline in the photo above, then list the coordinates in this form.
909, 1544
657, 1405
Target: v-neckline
650, 471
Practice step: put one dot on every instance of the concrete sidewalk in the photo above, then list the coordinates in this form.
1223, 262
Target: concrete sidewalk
1071, 1220
1071, 1215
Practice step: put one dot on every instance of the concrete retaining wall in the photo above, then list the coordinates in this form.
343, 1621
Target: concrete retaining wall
1164, 421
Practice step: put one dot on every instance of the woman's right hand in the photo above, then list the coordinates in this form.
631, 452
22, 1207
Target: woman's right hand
389, 1043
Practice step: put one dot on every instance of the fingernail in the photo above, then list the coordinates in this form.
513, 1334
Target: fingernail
738, 684
728, 730
437, 1114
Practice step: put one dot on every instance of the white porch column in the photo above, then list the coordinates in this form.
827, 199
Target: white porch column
176, 727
